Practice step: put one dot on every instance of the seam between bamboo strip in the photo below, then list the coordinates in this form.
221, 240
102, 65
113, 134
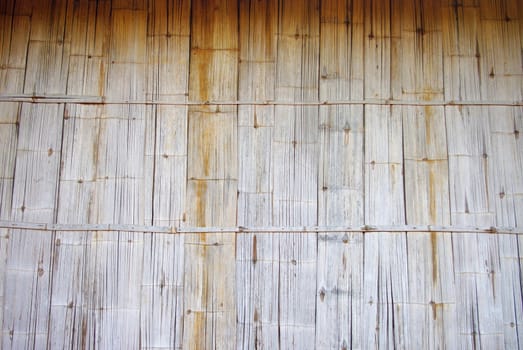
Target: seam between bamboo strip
242, 229
97, 100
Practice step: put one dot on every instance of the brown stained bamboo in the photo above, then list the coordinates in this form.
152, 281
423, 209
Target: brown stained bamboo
427, 200
425, 175
13, 55
209, 278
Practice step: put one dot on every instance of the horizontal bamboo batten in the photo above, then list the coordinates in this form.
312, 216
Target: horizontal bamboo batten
96, 100
241, 229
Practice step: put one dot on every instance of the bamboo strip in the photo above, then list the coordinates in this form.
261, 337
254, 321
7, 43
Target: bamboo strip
57, 99
268, 229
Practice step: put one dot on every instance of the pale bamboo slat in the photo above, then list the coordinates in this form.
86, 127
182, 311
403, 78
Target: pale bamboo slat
34, 199
295, 164
504, 185
256, 266
341, 182
166, 163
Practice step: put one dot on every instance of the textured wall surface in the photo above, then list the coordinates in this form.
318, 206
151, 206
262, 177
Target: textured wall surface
268, 115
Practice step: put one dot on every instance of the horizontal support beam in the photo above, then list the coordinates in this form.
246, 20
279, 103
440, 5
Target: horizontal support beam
100, 100
274, 229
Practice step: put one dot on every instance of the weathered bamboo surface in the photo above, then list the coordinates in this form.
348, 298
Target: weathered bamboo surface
329, 174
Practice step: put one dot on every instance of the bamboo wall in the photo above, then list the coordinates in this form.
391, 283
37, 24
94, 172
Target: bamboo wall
253, 174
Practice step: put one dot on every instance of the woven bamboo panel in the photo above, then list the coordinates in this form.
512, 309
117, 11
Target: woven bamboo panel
261, 174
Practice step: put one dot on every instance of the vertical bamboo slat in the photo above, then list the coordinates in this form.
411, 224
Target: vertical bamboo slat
341, 181
385, 266
162, 295
492, 83
13, 53
430, 307
29, 269
122, 186
70, 301
256, 261
209, 270
504, 186
295, 164
14, 26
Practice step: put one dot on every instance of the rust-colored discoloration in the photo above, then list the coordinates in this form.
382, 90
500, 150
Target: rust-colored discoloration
254, 250
435, 306
203, 71
493, 282
270, 29
261, 26
101, 79
434, 255
428, 124
432, 195
201, 191
393, 175
256, 316
212, 77
84, 333
198, 328
207, 137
